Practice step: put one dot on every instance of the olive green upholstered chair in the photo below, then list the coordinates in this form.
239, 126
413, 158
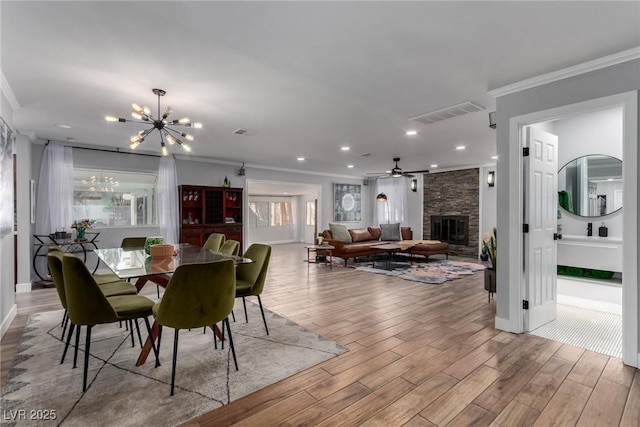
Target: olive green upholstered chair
88, 306
250, 278
198, 295
230, 247
214, 241
108, 288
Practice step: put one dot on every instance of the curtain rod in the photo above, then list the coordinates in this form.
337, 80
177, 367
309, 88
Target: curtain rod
117, 150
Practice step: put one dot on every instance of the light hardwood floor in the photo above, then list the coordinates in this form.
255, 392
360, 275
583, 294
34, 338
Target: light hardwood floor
419, 355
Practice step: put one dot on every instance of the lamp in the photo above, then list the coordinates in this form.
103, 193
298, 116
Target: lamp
382, 198
161, 123
491, 178
414, 185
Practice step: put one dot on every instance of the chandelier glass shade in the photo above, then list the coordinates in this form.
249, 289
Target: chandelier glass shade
161, 122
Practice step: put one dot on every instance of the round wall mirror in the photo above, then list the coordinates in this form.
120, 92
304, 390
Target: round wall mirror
591, 186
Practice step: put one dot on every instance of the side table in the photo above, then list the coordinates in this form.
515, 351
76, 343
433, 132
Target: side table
315, 248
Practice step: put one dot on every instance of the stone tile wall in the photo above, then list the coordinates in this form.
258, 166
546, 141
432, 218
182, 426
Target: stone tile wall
454, 193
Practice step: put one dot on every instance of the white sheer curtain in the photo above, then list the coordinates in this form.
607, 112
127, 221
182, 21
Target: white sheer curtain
395, 208
168, 199
54, 208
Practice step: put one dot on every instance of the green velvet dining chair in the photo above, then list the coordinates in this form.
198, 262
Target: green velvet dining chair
230, 247
109, 288
198, 295
88, 306
214, 242
133, 243
250, 277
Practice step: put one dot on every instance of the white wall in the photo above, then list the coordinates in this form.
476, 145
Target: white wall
617, 79
488, 203
7, 296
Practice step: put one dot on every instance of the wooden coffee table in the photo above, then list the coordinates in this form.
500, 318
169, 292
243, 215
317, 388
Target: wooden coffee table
390, 249
315, 249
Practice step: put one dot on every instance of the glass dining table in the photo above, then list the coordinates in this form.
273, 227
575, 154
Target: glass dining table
136, 264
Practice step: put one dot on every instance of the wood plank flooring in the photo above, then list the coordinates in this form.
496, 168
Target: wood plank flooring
419, 355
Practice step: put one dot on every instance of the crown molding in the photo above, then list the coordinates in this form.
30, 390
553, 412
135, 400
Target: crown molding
8, 93
554, 76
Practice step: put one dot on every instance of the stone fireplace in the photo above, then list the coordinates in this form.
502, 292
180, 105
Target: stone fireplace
451, 210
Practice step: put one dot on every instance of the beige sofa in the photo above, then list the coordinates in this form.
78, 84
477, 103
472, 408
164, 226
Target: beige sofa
363, 241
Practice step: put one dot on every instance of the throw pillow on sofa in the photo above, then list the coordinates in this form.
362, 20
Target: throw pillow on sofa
390, 232
340, 232
360, 235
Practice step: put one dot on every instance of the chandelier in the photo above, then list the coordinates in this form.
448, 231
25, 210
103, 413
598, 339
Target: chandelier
161, 123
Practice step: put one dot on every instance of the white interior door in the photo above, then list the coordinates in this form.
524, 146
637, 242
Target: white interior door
540, 210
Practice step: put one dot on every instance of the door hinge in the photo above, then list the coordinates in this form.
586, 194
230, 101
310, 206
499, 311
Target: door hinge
525, 228
525, 151
525, 304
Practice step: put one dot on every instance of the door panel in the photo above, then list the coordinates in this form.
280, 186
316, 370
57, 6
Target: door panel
541, 205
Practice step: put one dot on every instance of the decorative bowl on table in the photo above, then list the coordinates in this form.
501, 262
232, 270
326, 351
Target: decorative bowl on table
162, 250
152, 240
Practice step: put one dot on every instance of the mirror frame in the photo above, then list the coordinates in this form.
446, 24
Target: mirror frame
559, 190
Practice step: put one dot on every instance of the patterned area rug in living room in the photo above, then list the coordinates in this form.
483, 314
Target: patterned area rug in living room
432, 272
121, 394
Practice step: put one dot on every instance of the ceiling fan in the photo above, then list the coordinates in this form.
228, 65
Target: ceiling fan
397, 172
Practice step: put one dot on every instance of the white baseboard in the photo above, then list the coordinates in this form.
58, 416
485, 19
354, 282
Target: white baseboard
7, 321
23, 287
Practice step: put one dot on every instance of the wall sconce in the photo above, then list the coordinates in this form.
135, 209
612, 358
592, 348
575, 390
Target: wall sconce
492, 120
414, 185
491, 178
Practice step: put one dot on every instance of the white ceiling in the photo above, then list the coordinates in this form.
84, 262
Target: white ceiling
308, 77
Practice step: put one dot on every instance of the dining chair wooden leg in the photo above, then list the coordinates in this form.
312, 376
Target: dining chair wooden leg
263, 318
66, 346
159, 340
153, 345
233, 350
75, 353
87, 347
175, 358
133, 342
244, 303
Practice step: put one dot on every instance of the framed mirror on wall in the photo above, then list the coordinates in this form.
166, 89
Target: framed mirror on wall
591, 186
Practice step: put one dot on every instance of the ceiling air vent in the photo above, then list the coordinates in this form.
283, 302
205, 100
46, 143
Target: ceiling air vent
245, 132
448, 113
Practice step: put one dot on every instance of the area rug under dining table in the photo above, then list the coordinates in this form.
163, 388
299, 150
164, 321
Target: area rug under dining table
121, 394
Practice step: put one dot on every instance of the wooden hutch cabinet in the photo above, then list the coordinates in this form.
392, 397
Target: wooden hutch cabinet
207, 210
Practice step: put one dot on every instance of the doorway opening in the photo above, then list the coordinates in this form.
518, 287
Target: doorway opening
612, 299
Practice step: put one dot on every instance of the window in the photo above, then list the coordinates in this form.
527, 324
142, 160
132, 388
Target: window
259, 214
280, 214
270, 214
114, 198
311, 213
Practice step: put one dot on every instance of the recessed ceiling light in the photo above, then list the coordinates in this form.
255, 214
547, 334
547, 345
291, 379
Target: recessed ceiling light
71, 139
350, 166
494, 157
285, 192
411, 133
460, 147
301, 159
62, 126
434, 166
387, 171
345, 148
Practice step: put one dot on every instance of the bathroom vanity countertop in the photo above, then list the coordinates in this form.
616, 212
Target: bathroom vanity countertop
591, 238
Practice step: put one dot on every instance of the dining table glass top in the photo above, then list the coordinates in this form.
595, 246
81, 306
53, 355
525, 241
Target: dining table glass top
127, 264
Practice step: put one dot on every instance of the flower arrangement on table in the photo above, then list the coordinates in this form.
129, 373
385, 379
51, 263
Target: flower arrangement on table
81, 226
489, 247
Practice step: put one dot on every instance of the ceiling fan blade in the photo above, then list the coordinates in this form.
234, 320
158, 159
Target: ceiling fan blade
420, 171
408, 175
377, 173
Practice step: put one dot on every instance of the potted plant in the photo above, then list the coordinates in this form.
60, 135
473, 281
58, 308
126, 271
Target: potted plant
489, 248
